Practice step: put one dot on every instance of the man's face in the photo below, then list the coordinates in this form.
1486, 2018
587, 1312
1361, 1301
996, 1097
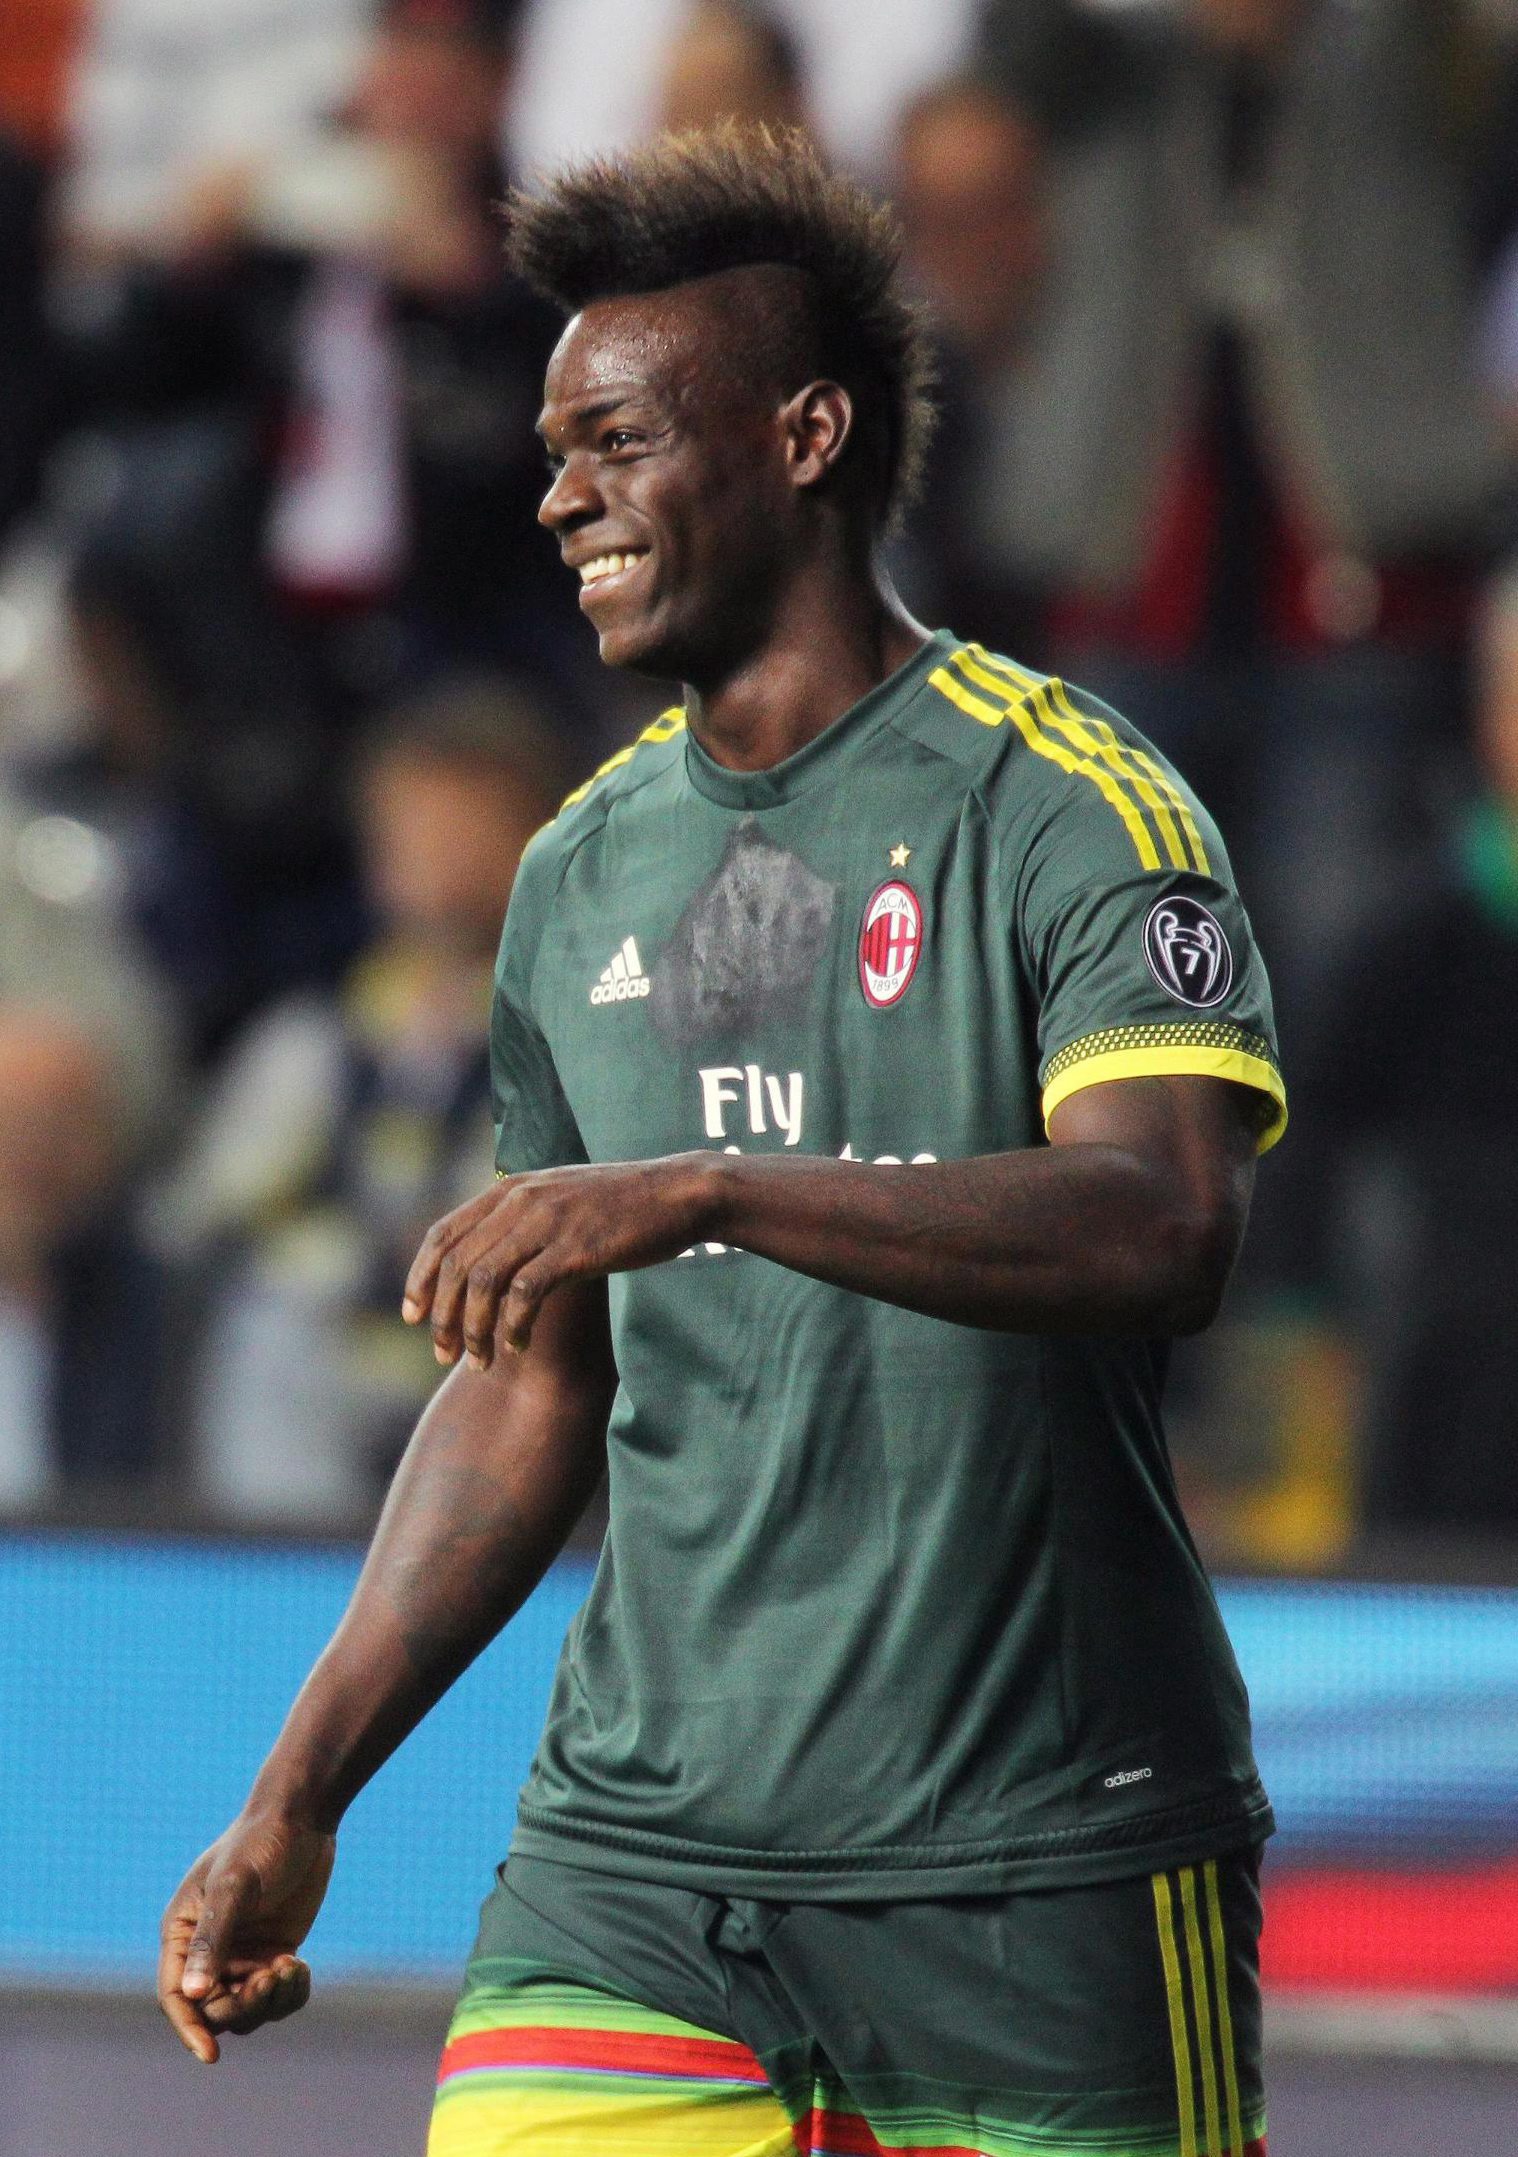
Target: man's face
1247, 26
427, 92
58, 1139
441, 841
970, 190
670, 498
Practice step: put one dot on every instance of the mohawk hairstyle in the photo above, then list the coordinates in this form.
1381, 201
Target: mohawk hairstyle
738, 196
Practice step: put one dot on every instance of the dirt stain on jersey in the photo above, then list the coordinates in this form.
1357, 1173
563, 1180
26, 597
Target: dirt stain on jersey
746, 947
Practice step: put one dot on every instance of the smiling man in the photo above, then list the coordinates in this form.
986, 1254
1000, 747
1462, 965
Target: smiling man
881, 1055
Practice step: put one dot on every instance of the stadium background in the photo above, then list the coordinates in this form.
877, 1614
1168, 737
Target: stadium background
1228, 305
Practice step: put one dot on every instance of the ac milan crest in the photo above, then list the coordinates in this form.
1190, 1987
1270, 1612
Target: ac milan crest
890, 943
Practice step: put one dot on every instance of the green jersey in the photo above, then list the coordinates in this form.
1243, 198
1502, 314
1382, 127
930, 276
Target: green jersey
888, 1606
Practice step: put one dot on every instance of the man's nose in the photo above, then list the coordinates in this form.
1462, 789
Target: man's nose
573, 498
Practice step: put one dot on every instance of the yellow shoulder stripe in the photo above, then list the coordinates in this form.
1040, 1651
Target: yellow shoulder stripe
1135, 784
1152, 783
1097, 738
663, 728
1181, 805
1025, 712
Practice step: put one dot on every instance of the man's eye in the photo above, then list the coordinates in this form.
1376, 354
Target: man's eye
618, 438
555, 465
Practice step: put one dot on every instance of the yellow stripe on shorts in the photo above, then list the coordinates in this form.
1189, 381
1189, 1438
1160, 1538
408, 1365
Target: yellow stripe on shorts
1175, 1999
1202, 2012
1192, 1946
1225, 2014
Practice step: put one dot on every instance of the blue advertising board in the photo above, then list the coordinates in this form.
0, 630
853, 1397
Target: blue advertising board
142, 1681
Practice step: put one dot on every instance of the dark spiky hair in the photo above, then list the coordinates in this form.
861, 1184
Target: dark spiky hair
736, 197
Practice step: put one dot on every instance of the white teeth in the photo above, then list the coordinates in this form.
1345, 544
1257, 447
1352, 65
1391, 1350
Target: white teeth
606, 565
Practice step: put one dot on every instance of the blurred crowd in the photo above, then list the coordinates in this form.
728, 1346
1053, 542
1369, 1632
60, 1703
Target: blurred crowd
1226, 295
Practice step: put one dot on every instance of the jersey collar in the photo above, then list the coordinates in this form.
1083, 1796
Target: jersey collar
809, 766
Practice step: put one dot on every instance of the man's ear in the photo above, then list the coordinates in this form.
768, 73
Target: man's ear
817, 424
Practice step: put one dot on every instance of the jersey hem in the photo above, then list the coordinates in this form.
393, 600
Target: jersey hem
1242, 1069
1127, 1849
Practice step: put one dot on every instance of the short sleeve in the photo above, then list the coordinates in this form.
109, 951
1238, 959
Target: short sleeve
1143, 971
534, 1124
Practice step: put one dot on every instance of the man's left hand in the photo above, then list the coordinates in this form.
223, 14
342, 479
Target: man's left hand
483, 1271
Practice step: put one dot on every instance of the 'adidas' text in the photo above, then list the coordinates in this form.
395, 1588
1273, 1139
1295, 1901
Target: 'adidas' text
623, 979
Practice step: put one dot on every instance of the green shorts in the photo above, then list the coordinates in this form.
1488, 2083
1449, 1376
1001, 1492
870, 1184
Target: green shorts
605, 2018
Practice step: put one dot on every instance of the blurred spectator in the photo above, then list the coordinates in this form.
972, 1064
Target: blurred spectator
593, 71
226, 914
970, 186
1265, 478
589, 78
339, 1129
165, 86
729, 61
353, 492
25, 387
39, 50
326, 482
1413, 1098
84, 1082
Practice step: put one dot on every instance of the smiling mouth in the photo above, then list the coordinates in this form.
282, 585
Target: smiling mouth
607, 566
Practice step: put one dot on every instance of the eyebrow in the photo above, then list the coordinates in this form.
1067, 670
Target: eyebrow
592, 412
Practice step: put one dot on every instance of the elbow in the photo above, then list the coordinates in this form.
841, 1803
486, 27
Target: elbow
1192, 1256
1193, 1309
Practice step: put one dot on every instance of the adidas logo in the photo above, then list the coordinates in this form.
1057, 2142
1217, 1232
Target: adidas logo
623, 979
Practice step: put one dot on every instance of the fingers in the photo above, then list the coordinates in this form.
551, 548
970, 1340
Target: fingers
185, 2017
439, 1241
450, 1290
525, 1297
242, 1996
190, 2028
268, 1992
289, 1991
190, 1978
483, 1271
473, 1275
501, 1300
482, 1302
178, 1928
228, 1890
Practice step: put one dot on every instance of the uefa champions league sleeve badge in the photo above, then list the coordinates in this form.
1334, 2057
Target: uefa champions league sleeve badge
1187, 952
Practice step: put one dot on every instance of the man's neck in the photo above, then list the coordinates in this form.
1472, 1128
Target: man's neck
827, 646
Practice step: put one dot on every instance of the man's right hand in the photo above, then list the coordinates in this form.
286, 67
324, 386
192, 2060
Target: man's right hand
496, 1474
227, 1962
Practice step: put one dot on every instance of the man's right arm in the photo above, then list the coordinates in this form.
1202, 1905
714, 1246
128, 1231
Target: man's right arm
500, 1468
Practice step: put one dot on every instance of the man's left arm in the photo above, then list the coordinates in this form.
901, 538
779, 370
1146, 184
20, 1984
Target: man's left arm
1127, 1222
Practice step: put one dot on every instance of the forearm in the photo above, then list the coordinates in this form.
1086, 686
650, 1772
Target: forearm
1065, 1239
1127, 1222
495, 1477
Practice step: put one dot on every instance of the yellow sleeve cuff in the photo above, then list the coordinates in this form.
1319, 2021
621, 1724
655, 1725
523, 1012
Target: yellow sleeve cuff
1164, 1061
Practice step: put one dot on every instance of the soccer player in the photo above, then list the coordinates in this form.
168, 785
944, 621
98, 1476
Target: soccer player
881, 1056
